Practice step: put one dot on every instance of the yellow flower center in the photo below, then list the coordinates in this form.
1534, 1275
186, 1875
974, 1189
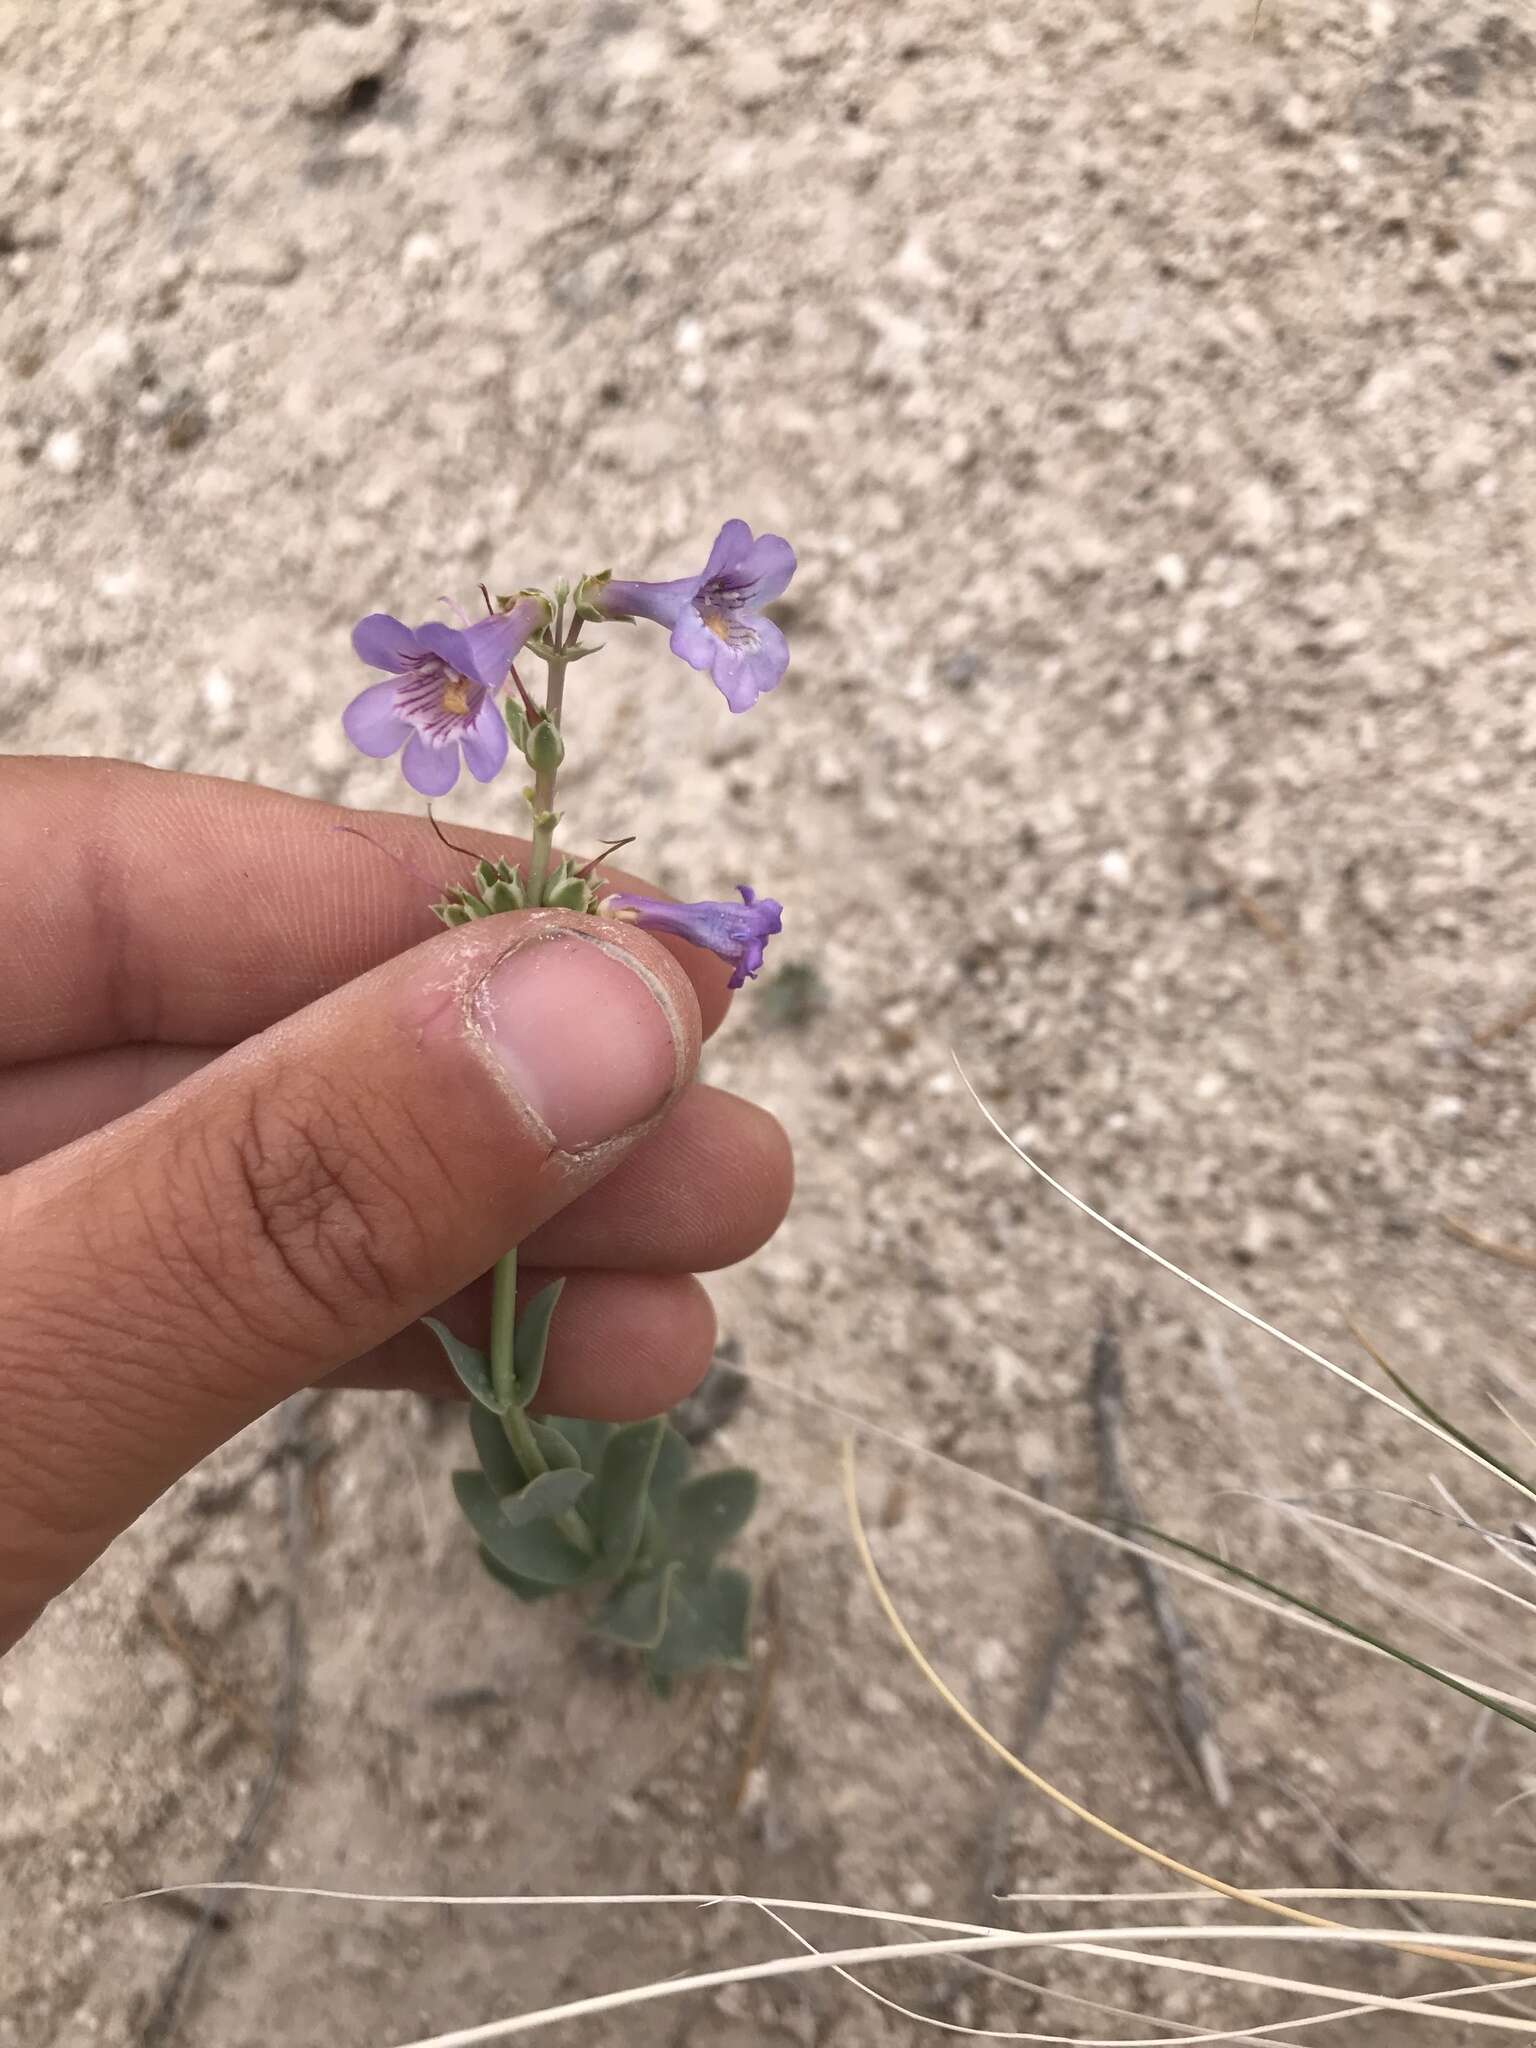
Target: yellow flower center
456, 695
717, 622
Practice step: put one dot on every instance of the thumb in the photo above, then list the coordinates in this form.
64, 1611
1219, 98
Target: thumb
302, 1199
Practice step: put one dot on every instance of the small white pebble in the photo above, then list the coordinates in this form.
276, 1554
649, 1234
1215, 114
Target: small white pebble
1171, 573
64, 452
423, 259
1115, 867
993, 1660
218, 690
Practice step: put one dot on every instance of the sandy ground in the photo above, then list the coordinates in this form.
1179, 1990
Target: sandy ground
1151, 404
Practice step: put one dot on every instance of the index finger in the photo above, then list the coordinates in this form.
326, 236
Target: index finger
143, 907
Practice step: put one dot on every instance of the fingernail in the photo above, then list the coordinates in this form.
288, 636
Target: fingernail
585, 1035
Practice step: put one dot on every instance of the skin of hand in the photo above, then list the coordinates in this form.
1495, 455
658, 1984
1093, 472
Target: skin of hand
259, 1113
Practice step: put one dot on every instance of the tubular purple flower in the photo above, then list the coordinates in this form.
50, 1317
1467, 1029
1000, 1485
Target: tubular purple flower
442, 696
716, 618
738, 932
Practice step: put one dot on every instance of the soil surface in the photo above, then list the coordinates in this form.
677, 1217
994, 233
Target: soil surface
1149, 394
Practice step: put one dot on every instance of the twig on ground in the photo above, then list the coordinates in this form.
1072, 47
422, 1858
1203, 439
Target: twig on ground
1514, 1254
1076, 1570
1262, 920
757, 1728
1504, 1027
295, 1454
158, 1614
1192, 1712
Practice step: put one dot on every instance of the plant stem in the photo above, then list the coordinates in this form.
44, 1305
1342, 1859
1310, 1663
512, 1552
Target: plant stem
544, 790
514, 1423
504, 1330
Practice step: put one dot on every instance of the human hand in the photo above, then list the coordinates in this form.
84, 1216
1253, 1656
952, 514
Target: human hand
255, 1121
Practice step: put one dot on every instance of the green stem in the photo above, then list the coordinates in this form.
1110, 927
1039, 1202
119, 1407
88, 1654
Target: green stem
544, 791
514, 1423
503, 1334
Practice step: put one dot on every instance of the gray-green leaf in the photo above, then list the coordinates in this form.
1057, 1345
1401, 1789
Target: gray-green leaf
589, 1440
708, 1619
673, 1458
532, 1340
497, 1460
536, 1551
472, 1366
560, 1454
525, 1589
707, 1512
635, 1614
616, 1505
544, 1498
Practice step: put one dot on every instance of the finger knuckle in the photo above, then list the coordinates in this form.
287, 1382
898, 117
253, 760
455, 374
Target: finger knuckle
324, 1219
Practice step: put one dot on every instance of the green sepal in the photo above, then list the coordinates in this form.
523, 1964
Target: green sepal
536, 1551
452, 914
585, 606
635, 1613
525, 1589
531, 1341
542, 1499
581, 650
505, 604
709, 1620
472, 1366
707, 1513
498, 1461
505, 896
517, 721
615, 1508
572, 894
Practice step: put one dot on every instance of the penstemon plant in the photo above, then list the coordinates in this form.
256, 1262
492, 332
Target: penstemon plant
557, 1503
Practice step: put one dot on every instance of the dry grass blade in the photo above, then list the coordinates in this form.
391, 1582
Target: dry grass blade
1247, 1315
1512, 1254
1256, 1900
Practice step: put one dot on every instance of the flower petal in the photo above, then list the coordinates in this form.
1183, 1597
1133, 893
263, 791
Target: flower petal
372, 723
485, 742
451, 644
494, 644
384, 642
732, 543
431, 771
693, 642
742, 669
764, 571
660, 602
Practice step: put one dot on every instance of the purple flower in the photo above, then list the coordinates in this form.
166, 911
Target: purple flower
738, 932
442, 695
716, 617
